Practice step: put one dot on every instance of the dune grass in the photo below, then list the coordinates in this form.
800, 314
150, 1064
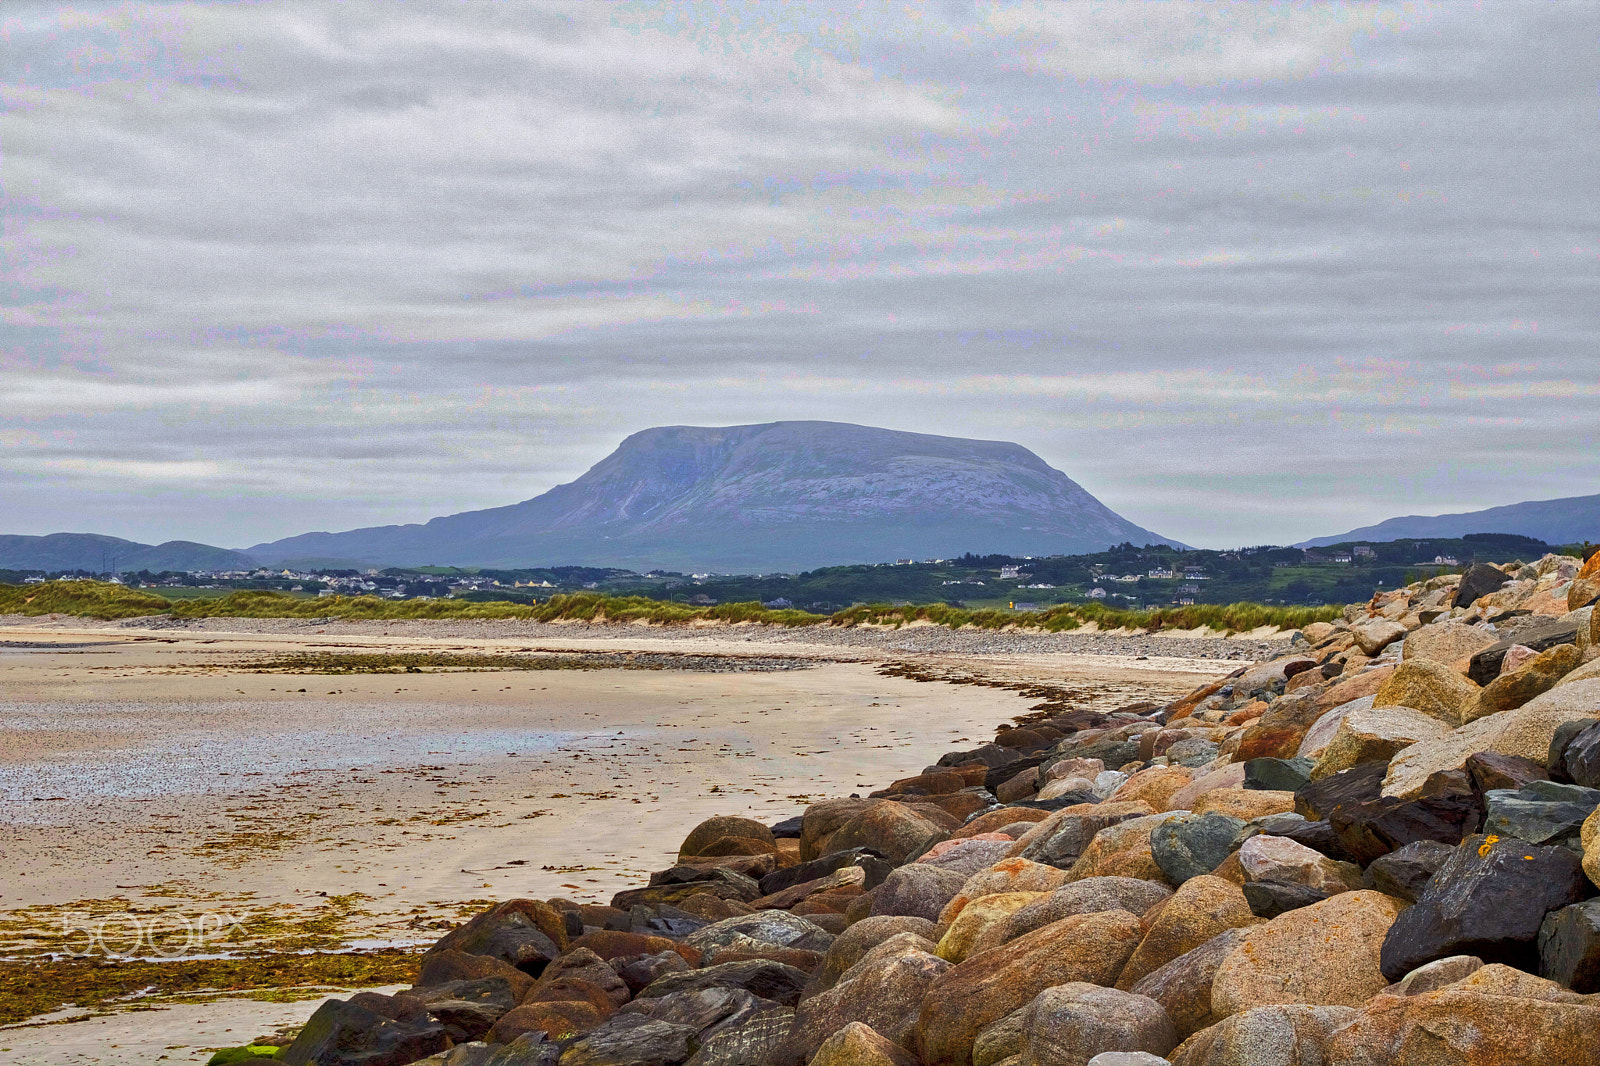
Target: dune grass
93, 599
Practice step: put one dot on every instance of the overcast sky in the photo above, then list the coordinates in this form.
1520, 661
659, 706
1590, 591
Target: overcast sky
1248, 273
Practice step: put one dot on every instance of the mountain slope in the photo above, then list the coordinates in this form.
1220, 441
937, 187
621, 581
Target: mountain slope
1570, 520
97, 553
780, 496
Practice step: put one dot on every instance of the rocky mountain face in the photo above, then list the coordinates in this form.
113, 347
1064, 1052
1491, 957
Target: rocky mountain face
96, 553
780, 496
1570, 520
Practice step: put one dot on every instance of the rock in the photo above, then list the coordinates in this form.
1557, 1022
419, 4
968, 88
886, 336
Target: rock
631, 1040
583, 964
1432, 976
917, 891
772, 927
527, 933
1535, 677
1580, 757
1192, 752
1322, 732
1404, 872
1318, 836
1446, 642
1277, 775
1011, 875
983, 923
1318, 800
1379, 826
1183, 986
1589, 838
1484, 667
450, 966
639, 971
1569, 946
1525, 732
720, 827
1488, 770
999, 1040
1372, 637
1275, 858
1123, 850
822, 820
1244, 804
559, 1020
1073, 1022
985, 988
1489, 900
885, 994
1375, 735
967, 857
1429, 687
1128, 1058
1060, 839
1230, 776
747, 1037
1515, 657
860, 1045
1268, 899
1279, 731
1538, 818
849, 947
998, 819
1154, 785
341, 1033
1480, 579
1089, 896
891, 829
760, 977
1466, 1026
697, 1008
1190, 845
1201, 908
1326, 954
789, 877
1286, 1035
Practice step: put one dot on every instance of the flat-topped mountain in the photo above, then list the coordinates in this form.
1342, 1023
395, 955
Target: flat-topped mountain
98, 554
780, 496
1570, 520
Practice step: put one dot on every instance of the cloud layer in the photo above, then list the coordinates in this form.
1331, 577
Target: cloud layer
1249, 273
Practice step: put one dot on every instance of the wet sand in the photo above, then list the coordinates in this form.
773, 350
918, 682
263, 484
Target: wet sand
146, 772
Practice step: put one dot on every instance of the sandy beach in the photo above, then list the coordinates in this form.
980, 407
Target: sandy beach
153, 780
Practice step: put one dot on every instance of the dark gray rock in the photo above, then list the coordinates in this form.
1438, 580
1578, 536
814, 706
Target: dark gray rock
1190, 752
778, 880
1268, 899
745, 1039
1378, 826
507, 933
1194, 844
467, 1008
1404, 872
1581, 759
770, 927
1540, 636
1362, 782
1490, 769
529, 1049
698, 1008
347, 1034
640, 971
789, 828
1569, 946
1278, 775
1560, 740
631, 1040
1489, 899
760, 977
1479, 580
918, 891
1528, 815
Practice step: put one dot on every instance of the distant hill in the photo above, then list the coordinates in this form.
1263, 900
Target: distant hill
96, 553
1566, 521
781, 496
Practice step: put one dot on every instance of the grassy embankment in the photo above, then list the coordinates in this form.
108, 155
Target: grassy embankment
106, 601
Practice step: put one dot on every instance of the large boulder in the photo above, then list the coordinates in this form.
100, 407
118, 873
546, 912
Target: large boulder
632, 1040
1279, 731
526, 933
1446, 642
1010, 875
917, 891
1489, 900
884, 992
1326, 954
1405, 872
1378, 826
1154, 785
1183, 986
721, 827
1275, 858
1246, 804
1060, 839
1375, 734
765, 978
1280, 1035
822, 820
983, 924
1569, 946
1375, 635
1479, 580
858, 1044
1430, 687
1088, 896
450, 966
850, 946
342, 1033
1543, 813
892, 829
1074, 1022
986, 987
1122, 850
1525, 732
1199, 910
779, 928
1190, 845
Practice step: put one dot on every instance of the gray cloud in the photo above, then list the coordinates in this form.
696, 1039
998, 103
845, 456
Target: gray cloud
1250, 273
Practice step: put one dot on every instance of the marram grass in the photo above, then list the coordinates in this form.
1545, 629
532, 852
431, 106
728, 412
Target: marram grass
94, 599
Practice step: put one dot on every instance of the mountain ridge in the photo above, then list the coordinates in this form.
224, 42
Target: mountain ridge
771, 496
1567, 520
99, 553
